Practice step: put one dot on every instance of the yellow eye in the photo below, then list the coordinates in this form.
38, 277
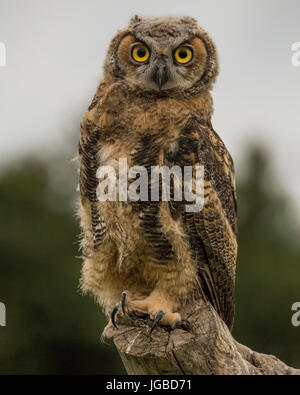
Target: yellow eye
183, 55
140, 53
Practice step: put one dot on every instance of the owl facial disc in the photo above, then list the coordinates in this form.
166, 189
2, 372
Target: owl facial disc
171, 54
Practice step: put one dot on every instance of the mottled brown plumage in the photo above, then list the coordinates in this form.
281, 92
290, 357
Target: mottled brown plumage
158, 113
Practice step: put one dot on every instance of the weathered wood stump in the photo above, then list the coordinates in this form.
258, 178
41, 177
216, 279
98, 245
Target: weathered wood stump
203, 346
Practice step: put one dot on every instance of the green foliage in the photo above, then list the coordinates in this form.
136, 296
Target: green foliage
268, 272
51, 328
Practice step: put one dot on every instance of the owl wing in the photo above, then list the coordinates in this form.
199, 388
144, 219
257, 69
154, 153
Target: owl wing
88, 149
212, 231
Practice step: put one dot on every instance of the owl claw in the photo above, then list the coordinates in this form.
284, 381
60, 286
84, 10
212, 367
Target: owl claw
159, 315
123, 300
113, 314
121, 304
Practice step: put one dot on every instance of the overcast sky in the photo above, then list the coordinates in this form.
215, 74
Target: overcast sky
55, 50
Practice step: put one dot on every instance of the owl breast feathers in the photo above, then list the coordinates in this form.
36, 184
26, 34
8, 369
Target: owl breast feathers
153, 107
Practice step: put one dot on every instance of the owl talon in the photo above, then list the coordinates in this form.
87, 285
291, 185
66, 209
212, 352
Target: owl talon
159, 315
123, 300
121, 304
113, 314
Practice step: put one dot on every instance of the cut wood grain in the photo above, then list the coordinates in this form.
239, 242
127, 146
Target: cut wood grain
203, 346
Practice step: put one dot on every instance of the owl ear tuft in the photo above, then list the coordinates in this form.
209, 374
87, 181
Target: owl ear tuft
135, 19
189, 21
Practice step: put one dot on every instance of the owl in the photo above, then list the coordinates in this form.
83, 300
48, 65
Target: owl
153, 107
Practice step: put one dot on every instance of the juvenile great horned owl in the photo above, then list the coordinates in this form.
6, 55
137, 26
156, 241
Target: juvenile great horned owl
153, 107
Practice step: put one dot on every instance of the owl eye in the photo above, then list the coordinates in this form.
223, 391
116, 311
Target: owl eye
183, 54
140, 53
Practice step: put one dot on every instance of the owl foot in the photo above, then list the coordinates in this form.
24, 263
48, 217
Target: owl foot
159, 308
156, 305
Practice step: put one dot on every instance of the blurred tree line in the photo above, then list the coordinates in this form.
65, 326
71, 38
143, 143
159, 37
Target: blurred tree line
268, 271
52, 329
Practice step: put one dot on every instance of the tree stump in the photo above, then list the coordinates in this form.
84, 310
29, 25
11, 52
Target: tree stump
203, 346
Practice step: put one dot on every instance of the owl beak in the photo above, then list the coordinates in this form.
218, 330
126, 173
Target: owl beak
160, 74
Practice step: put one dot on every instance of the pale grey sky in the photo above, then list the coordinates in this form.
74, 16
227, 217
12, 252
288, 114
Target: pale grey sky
55, 50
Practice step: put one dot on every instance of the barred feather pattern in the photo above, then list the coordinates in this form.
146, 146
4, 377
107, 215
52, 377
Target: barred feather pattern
212, 231
88, 148
146, 154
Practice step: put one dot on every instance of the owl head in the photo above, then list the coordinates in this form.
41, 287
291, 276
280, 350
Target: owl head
163, 55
